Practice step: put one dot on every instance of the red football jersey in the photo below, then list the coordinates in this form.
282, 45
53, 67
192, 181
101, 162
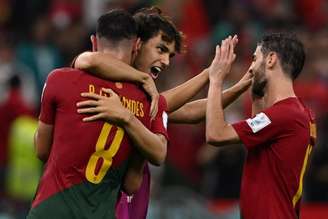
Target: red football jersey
87, 151
279, 141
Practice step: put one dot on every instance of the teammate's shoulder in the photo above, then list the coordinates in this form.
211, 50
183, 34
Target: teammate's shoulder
286, 106
59, 73
281, 111
292, 111
63, 70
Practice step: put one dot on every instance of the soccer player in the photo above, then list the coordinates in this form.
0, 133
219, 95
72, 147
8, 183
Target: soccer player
279, 138
87, 161
159, 42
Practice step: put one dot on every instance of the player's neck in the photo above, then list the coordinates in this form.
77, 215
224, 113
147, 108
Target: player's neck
120, 54
278, 90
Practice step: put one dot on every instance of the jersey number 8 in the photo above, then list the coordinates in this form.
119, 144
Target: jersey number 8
106, 155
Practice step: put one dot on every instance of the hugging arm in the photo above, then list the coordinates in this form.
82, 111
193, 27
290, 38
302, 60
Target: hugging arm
151, 145
43, 140
108, 67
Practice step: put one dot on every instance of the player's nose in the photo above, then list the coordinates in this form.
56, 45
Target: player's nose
165, 60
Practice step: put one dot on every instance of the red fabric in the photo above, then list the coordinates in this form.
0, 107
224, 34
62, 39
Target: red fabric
313, 13
274, 162
308, 211
73, 9
186, 140
315, 95
74, 140
157, 124
194, 21
195, 25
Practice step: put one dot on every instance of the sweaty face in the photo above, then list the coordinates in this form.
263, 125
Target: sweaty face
154, 55
258, 69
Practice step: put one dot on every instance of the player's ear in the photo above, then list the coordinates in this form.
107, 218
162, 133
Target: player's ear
137, 45
93, 39
271, 59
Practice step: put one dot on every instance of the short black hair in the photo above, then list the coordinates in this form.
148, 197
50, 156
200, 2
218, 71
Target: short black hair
116, 25
289, 49
150, 21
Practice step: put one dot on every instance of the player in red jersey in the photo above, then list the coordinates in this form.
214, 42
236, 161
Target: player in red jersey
159, 42
280, 136
87, 161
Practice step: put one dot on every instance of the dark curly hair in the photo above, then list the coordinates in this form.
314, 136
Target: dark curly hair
289, 49
150, 21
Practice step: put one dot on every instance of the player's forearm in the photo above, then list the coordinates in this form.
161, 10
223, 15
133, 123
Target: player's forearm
195, 111
215, 122
178, 96
43, 141
192, 112
108, 67
40, 153
134, 176
231, 94
152, 146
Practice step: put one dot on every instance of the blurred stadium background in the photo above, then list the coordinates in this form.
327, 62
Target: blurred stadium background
197, 181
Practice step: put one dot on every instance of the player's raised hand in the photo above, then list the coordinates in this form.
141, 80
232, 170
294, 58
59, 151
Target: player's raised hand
149, 86
224, 57
107, 108
245, 82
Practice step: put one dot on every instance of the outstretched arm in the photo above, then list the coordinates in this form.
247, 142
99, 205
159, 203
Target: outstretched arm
192, 112
218, 131
178, 96
195, 111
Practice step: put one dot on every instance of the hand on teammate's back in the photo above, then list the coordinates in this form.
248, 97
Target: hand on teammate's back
149, 86
107, 108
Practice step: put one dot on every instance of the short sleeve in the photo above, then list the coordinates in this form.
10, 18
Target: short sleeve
262, 128
48, 101
159, 124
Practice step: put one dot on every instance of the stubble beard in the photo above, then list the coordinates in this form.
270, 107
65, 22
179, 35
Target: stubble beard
259, 82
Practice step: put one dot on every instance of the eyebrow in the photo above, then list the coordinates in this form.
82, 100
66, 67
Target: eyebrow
166, 49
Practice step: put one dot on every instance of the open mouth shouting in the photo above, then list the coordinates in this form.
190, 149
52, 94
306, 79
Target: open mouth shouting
155, 70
